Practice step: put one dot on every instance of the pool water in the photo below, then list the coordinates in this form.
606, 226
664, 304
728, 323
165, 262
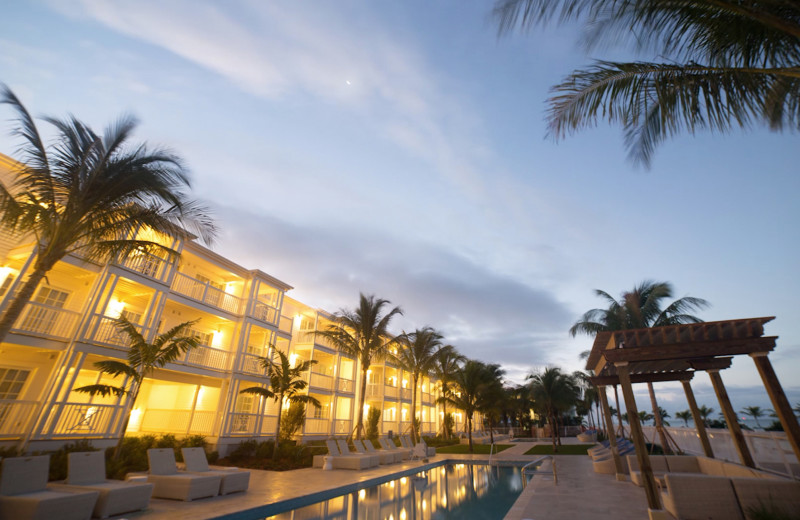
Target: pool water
451, 491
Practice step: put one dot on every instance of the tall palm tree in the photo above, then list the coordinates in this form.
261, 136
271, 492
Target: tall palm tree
418, 356
553, 393
705, 413
726, 63
684, 416
493, 396
285, 383
468, 384
363, 333
447, 363
755, 412
88, 194
664, 415
142, 360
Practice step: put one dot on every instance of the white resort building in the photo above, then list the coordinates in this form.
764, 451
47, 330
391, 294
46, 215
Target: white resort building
69, 325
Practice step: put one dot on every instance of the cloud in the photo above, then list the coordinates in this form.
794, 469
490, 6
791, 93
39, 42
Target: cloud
487, 315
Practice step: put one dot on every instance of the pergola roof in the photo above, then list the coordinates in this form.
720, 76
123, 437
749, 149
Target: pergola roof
673, 352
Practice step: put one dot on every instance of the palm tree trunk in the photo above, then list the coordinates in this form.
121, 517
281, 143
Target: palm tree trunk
361, 399
134, 392
444, 420
17, 305
278, 428
553, 428
469, 431
414, 433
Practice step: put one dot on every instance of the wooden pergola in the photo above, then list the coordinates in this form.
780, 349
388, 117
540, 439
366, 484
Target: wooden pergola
676, 353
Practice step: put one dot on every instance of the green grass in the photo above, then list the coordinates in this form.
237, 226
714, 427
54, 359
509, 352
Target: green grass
479, 449
566, 449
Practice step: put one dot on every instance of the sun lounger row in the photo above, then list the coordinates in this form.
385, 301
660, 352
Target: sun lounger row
26, 494
365, 456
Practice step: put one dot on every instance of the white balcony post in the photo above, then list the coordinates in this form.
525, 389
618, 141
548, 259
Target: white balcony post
60, 403
15, 284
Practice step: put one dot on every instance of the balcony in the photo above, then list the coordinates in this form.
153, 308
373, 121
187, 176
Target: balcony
147, 264
178, 421
390, 391
204, 356
316, 426
342, 427
318, 380
243, 423
374, 391
345, 385
82, 420
205, 293
285, 324
251, 364
405, 393
426, 398
264, 312
16, 417
105, 331
44, 320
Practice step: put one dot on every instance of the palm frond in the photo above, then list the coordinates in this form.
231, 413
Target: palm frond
116, 368
255, 390
102, 390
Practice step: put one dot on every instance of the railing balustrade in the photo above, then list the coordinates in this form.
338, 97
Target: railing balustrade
405, 393
345, 385
323, 381
106, 331
374, 390
251, 364
82, 419
265, 312
427, 398
342, 426
178, 421
243, 423
205, 293
16, 417
148, 264
390, 391
44, 320
285, 324
206, 357
268, 425
316, 426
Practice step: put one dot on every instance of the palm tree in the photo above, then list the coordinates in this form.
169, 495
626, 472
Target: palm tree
363, 333
143, 359
645, 416
726, 63
285, 383
553, 392
755, 412
447, 363
664, 415
684, 416
705, 413
493, 396
418, 356
88, 194
468, 384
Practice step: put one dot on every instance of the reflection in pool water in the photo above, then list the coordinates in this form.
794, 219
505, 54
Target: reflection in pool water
463, 491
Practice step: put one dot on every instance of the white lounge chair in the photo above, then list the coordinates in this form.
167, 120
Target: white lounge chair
365, 446
390, 446
234, 480
170, 483
24, 493
344, 449
87, 471
345, 461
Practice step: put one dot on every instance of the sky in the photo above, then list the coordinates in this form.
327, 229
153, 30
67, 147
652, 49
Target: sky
401, 149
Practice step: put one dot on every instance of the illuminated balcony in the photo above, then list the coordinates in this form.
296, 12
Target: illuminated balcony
104, 330
321, 380
83, 420
345, 385
155, 266
204, 356
426, 398
45, 320
197, 422
265, 312
205, 292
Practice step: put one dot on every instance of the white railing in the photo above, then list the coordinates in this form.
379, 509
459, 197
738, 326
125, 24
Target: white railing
316, 426
16, 417
268, 425
320, 381
81, 419
770, 450
243, 423
342, 426
178, 421
405, 393
405, 426
37, 318
204, 292
251, 364
374, 390
390, 391
345, 385
285, 324
265, 312
206, 357
105, 330
427, 427
427, 398
147, 264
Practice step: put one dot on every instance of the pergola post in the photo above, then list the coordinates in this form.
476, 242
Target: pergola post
619, 413
612, 438
657, 418
730, 419
653, 498
698, 419
782, 407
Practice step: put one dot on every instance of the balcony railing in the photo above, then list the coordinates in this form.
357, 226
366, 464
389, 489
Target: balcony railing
374, 390
345, 385
317, 426
16, 417
205, 293
243, 423
268, 425
428, 427
265, 312
342, 426
405, 393
178, 421
81, 419
320, 381
285, 324
390, 391
426, 398
44, 320
206, 357
147, 264
105, 330
251, 364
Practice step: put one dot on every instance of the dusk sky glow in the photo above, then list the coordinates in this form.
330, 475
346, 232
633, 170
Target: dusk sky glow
401, 149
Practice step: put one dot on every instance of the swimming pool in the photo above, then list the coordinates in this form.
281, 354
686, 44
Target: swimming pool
449, 491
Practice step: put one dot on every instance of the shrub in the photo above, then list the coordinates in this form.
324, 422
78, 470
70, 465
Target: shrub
776, 426
373, 417
292, 420
449, 422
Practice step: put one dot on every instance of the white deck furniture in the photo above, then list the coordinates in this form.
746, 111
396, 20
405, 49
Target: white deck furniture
170, 483
233, 480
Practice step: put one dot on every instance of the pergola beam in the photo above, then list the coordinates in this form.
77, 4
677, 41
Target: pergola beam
644, 378
706, 349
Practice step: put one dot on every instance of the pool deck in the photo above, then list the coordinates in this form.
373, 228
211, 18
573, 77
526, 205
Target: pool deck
601, 496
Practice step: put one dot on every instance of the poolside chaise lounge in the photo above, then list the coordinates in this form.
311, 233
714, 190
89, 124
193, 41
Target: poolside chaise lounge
366, 447
178, 485
25, 495
419, 450
340, 461
390, 446
397, 455
373, 458
87, 471
234, 480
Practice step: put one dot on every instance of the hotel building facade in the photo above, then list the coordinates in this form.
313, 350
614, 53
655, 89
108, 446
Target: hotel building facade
242, 314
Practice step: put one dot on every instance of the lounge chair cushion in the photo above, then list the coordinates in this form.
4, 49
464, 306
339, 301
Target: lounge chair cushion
179, 486
234, 480
682, 464
22, 475
48, 505
777, 495
700, 497
711, 466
